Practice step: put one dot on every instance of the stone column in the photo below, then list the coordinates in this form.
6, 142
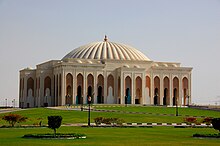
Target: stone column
161, 89
74, 86
58, 96
152, 88
171, 90
180, 90
143, 80
85, 88
63, 88
122, 89
105, 87
55, 91
52, 96
190, 89
133, 88
95, 87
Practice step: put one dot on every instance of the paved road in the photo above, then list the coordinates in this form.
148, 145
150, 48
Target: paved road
8, 110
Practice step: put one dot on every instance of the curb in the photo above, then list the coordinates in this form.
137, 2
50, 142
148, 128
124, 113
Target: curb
143, 125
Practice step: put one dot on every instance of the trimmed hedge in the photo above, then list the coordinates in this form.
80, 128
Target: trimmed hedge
207, 135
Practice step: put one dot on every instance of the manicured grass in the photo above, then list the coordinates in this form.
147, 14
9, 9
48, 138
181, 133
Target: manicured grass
36, 115
111, 136
165, 110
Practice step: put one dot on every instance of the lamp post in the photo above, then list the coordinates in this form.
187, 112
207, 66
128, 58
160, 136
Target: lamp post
6, 102
188, 99
46, 104
81, 100
13, 103
176, 106
89, 102
126, 101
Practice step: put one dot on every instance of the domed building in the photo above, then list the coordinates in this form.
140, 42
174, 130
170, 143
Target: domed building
109, 73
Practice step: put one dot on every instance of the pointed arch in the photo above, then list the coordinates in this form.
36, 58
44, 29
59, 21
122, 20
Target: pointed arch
30, 85
30, 92
175, 91
90, 87
110, 83
128, 90
166, 85
79, 97
47, 91
138, 96
185, 91
110, 90
47, 84
69, 89
156, 90
100, 88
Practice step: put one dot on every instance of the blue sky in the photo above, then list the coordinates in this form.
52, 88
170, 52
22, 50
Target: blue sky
34, 31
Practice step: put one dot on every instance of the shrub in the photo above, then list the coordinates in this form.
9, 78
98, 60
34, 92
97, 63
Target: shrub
207, 120
216, 124
190, 120
207, 135
114, 121
107, 120
54, 122
14, 118
98, 120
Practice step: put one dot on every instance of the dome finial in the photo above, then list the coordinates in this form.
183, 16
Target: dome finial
105, 39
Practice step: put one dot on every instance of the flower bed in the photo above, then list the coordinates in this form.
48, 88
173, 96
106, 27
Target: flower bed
58, 136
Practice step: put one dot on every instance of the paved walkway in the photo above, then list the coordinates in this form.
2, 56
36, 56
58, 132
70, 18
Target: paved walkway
8, 110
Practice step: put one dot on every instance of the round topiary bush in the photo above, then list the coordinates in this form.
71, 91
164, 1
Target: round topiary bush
216, 124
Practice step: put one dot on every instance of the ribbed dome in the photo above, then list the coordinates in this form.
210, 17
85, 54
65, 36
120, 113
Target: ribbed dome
107, 50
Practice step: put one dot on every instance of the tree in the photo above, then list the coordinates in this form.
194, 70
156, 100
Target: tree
216, 123
14, 118
54, 122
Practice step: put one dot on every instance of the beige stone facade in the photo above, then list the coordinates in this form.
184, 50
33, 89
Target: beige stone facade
111, 73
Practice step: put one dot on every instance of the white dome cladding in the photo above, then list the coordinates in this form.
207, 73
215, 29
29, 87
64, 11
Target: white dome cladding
107, 50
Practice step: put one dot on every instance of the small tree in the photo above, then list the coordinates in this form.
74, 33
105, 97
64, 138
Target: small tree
216, 124
54, 122
14, 118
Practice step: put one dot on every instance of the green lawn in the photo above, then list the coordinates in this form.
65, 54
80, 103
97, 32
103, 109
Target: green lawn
165, 110
111, 136
36, 115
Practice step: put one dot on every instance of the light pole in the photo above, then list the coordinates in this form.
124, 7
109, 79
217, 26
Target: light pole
188, 100
6, 102
126, 101
13, 103
46, 104
81, 100
89, 102
176, 106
